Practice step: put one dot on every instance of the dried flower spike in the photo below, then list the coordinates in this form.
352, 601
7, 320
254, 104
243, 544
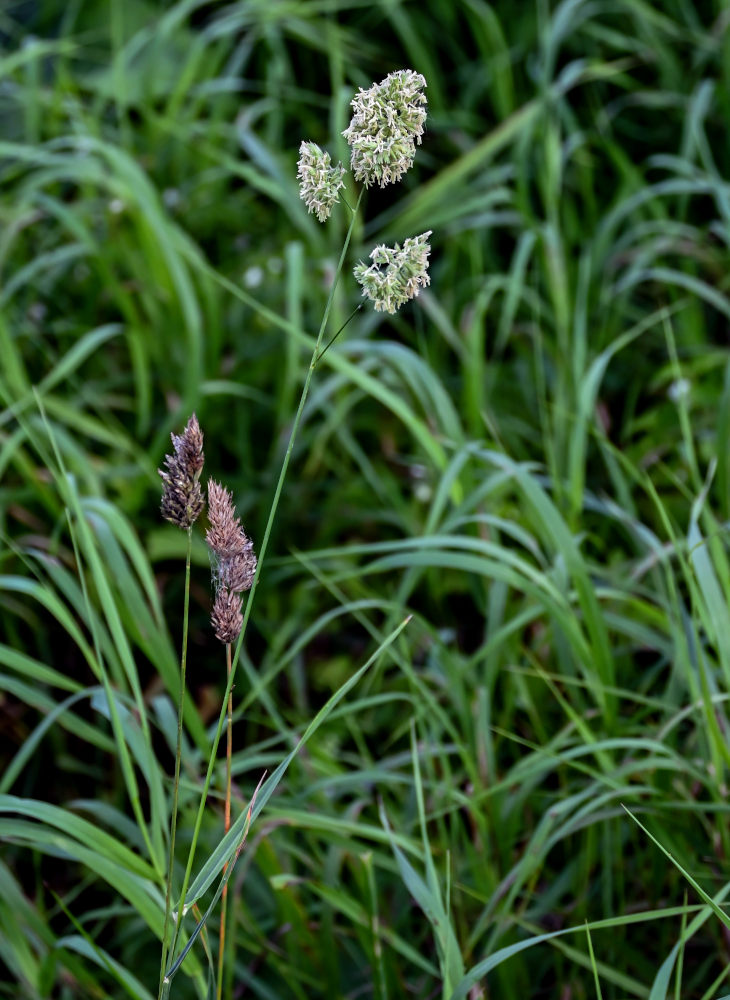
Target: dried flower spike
232, 556
385, 127
319, 183
397, 273
235, 559
226, 616
182, 498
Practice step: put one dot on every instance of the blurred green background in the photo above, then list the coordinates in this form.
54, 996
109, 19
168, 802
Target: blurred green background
531, 459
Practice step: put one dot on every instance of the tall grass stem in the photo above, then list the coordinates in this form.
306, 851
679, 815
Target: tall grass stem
178, 757
262, 553
226, 824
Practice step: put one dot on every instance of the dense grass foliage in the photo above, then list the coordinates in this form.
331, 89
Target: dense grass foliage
523, 792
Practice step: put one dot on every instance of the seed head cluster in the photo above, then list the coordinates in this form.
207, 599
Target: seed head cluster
386, 125
233, 559
226, 617
396, 274
319, 183
182, 497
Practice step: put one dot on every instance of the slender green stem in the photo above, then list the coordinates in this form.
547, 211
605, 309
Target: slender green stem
178, 756
333, 339
226, 826
252, 592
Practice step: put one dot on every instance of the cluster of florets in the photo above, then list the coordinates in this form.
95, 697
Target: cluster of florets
385, 127
234, 562
396, 274
320, 183
182, 498
232, 553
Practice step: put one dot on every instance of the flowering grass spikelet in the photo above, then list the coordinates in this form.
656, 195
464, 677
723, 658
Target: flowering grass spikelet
226, 617
319, 183
396, 274
233, 560
385, 127
182, 497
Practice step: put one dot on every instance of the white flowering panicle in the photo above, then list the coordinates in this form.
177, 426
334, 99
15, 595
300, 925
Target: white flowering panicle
396, 274
385, 127
319, 183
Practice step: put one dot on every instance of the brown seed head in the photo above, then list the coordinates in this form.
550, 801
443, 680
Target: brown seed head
234, 559
182, 497
226, 616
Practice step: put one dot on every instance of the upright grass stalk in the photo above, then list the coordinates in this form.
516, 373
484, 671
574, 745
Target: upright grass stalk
182, 504
178, 757
254, 585
233, 567
226, 825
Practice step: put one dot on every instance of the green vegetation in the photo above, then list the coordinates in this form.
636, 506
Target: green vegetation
522, 789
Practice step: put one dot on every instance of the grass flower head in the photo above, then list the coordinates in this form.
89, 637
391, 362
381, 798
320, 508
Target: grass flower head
233, 559
386, 125
396, 274
319, 183
182, 497
226, 617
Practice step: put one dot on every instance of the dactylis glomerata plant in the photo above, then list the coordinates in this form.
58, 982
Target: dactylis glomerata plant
386, 125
